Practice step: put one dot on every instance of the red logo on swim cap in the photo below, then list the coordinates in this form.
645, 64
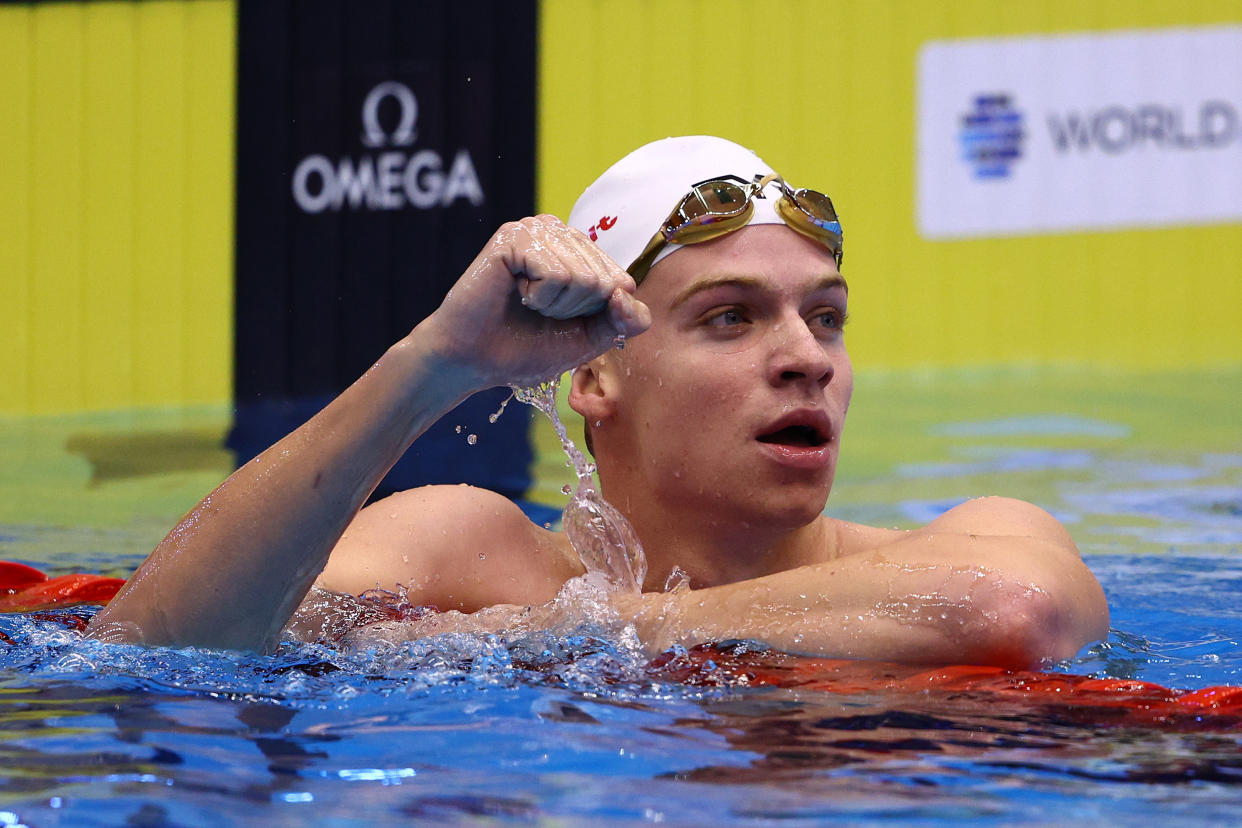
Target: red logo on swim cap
603, 224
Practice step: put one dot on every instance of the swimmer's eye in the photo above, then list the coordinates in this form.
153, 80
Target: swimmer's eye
830, 319
725, 318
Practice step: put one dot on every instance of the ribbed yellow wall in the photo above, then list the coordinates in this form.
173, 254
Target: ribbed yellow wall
825, 92
116, 204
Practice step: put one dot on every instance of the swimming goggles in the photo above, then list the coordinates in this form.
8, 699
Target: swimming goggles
718, 206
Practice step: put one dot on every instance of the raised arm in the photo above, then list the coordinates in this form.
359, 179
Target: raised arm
994, 581
539, 299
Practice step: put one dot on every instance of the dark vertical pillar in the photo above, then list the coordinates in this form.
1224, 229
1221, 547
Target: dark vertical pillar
380, 143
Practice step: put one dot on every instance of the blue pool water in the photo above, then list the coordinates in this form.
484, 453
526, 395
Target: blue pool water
575, 730
471, 730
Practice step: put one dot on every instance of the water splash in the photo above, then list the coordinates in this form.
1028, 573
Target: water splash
604, 540
588, 650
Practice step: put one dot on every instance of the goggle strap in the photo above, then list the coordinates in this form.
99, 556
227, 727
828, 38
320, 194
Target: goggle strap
643, 263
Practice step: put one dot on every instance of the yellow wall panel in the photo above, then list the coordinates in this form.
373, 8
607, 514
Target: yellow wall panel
208, 377
15, 150
56, 206
160, 223
117, 281
826, 93
108, 223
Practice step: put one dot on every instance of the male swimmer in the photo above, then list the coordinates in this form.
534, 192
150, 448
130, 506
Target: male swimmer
715, 430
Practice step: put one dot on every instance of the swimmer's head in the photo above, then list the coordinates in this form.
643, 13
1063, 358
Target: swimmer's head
626, 206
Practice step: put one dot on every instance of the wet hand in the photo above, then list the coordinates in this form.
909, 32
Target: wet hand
539, 299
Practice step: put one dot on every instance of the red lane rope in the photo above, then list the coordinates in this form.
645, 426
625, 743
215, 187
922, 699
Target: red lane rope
24, 589
1126, 701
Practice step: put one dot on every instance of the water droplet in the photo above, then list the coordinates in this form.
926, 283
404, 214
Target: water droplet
491, 418
618, 342
482, 556
458, 429
472, 439
599, 423
566, 489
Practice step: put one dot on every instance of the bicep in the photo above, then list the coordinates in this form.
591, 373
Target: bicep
454, 547
395, 541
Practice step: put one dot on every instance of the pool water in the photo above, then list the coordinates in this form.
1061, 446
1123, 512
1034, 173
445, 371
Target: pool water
574, 728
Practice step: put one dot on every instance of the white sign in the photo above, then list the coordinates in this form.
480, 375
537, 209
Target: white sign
1079, 132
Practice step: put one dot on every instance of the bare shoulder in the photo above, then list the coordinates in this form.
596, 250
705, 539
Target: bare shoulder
456, 547
981, 516
1004, 517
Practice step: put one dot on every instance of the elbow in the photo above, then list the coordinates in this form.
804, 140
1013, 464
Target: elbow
1025, 625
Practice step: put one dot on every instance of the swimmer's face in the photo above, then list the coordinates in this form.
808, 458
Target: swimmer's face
736, 396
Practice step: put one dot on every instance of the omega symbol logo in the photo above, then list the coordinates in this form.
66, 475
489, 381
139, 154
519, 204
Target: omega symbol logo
373, 134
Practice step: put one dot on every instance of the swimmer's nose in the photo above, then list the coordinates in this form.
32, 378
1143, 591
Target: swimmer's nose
798, 355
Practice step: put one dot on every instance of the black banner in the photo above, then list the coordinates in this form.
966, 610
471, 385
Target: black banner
379, 146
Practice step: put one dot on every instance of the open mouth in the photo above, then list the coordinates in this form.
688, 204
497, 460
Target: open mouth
799, 435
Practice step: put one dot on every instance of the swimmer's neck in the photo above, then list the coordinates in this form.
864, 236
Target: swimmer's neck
713, 553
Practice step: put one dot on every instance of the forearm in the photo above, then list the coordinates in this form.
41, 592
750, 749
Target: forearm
234, 569
927, 599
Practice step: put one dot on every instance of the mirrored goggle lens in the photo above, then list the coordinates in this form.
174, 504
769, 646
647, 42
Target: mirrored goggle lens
818, 206
714, 199
707, 211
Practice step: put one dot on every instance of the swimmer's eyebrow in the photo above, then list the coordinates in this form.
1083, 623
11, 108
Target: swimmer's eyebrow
826, 282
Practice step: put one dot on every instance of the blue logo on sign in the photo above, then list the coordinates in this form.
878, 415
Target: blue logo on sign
992, 135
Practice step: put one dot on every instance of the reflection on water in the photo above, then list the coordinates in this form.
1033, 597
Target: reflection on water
950, 759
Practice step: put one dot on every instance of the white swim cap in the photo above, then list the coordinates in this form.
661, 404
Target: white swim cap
626, 205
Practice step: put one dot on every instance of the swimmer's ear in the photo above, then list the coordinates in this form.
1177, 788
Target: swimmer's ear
592, 391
